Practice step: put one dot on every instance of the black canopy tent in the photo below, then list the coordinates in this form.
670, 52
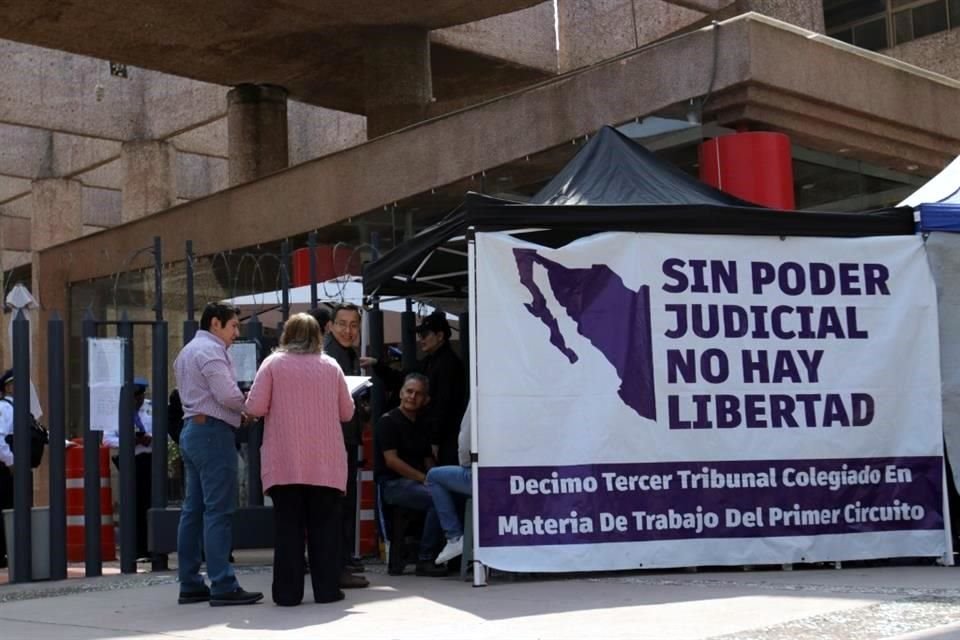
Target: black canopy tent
612, 184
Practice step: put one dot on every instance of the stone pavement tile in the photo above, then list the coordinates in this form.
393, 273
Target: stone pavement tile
765, 605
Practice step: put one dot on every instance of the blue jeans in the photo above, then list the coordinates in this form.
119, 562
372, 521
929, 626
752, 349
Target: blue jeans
442, 483
210, 463
411, 494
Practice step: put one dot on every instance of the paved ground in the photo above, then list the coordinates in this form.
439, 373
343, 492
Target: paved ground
853, 603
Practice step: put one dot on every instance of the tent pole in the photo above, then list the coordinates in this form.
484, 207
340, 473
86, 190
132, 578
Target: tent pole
479, 571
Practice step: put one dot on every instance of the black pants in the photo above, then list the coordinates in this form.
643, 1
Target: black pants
143, 468
349, 512
6, 502
300, 510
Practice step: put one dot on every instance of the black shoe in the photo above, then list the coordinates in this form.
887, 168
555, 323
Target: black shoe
239, 596
431, 570
337, 598
193, 597
350, 581
355, 566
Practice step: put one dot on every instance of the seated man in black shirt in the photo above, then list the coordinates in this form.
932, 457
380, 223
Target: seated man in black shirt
402, 457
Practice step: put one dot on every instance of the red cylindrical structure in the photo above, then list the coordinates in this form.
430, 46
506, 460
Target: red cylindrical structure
331, 263
75, 516
755, 165
368, 509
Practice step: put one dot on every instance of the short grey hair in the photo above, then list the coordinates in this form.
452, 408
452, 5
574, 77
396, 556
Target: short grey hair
418, 377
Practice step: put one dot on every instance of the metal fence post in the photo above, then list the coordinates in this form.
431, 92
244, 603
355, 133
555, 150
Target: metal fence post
284, 283
57, 459
190, 324
312, 248
375, 342
128, 473
253, 330
408, 338
91, 462
22, 473
158, 497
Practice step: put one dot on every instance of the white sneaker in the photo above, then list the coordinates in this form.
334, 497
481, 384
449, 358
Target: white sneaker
453, 549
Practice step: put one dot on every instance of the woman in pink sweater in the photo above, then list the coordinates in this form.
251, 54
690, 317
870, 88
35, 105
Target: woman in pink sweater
304, 397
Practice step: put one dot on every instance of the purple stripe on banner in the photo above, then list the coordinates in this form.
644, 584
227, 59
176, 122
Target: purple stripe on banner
585, 504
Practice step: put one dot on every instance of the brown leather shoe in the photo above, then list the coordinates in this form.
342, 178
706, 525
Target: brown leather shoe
350, 581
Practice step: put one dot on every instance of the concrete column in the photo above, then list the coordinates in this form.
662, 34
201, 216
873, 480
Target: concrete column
256, 131
149, 178
57, 212
397, 83
56, 217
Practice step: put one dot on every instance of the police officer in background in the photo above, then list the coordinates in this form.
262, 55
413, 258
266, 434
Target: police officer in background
143, 429
6, 456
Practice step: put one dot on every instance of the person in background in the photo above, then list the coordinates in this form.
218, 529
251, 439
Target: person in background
448, 385
212, 407
339, 344
445, 481
6, 456
143, 449
304, 398
402, 457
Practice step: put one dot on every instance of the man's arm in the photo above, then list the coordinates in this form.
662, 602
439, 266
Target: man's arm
398, 466
222, 384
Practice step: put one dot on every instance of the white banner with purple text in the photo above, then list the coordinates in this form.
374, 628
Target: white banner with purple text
665, 400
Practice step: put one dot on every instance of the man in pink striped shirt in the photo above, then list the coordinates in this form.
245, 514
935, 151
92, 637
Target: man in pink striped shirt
212, 410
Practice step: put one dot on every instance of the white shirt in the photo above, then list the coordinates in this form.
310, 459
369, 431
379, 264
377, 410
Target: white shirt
112, 438
6, 428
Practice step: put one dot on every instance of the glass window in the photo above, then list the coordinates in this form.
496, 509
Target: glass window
930, 18
902, 27
871, 35
846, 35
840, 12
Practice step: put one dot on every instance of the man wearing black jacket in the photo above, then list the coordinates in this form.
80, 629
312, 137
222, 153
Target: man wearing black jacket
448, 385
338, 344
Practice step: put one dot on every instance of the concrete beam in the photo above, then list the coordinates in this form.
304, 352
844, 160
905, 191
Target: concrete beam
12, 188
27, 152
526, 38
14, 234
208, 139
867, 90
704, 6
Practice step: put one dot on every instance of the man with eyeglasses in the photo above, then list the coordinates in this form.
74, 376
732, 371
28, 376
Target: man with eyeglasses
339, 344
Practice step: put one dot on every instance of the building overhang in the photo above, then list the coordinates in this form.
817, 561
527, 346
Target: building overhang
750, 71
313, 49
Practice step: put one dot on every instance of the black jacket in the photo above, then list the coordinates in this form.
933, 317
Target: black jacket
349, 362
448, 400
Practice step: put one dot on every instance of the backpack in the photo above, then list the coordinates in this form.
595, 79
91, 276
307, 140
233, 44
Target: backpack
174, 416
39, 438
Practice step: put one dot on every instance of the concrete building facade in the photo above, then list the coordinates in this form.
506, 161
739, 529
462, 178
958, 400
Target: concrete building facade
236, 131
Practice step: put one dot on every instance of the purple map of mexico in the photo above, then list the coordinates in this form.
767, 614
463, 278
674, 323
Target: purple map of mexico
614, 318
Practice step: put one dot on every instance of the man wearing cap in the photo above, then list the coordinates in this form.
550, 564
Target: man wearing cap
448, 385
212, 410
143, 430
6, 456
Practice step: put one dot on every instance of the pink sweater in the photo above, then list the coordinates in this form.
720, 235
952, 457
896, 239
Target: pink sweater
304, 398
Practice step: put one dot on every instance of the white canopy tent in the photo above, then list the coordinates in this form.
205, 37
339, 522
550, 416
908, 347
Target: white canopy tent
942, 188
937, 211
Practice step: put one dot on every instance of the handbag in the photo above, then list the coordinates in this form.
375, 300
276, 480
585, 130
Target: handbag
39, 438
